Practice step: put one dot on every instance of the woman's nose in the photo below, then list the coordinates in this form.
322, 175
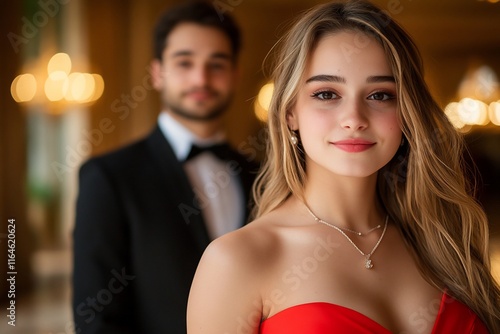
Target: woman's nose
353, 116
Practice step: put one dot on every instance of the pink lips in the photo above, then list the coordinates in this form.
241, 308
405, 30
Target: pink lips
354, 145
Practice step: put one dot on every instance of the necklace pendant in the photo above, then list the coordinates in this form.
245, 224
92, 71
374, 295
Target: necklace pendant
368, 261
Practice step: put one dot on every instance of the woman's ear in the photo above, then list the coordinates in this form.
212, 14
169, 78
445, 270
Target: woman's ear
291, 120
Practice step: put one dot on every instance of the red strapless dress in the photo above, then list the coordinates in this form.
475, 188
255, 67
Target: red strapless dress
320, 318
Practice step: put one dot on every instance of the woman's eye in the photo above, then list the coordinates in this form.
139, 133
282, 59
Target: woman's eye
325, 95
381, 96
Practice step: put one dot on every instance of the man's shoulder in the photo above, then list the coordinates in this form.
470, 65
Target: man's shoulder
123, 157
123, 153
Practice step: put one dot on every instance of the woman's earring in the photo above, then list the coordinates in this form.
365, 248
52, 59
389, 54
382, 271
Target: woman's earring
293, 138
402, 141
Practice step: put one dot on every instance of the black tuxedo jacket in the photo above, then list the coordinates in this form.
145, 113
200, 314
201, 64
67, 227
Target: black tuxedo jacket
138, 237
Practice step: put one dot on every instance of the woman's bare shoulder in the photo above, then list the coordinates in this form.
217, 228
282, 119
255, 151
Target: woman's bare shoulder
257, 247
249, 245
233, 266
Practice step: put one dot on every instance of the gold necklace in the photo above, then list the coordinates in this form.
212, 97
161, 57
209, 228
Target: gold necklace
368, 261
345, 229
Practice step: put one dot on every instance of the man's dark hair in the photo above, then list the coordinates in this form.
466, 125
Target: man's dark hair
199, 12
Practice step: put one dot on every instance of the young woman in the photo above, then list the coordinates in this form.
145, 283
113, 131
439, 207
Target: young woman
364, 222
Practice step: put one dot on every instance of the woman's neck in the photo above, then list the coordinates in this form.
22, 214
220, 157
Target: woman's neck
345, 201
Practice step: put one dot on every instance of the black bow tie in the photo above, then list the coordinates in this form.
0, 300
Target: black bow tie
221, 151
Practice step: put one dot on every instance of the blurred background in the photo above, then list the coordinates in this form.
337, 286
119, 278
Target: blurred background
74, 82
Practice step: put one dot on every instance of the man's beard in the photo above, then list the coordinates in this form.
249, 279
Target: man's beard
214, 113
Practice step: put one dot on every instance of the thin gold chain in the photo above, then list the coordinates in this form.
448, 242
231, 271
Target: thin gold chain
343, 228
368, 261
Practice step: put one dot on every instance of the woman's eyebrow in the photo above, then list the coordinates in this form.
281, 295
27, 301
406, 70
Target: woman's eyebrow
326, 78
380, 78
339, 79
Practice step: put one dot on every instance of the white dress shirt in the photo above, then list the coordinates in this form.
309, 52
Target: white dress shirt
217, 188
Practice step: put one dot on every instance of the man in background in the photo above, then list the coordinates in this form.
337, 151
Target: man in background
146, 212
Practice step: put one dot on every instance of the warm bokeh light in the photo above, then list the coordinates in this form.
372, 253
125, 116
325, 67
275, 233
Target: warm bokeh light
81, 87
470, 112
23, 88
99, 87
265, 95
473, 112
494, 112
480, 83
56, 88
451, 112
495, 263
59, 66
60, 83
263, 101
478, 88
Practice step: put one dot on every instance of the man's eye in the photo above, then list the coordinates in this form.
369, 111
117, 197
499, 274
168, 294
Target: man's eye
185, 64
325, 95
217, 66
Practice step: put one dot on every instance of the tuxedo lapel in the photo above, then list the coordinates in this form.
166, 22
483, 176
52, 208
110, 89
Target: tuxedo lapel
178, 187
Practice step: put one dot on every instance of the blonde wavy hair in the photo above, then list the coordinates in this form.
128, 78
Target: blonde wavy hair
423, 188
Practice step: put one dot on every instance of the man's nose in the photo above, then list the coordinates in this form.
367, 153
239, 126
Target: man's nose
200, 76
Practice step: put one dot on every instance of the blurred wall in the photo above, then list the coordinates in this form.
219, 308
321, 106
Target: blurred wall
12, 163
